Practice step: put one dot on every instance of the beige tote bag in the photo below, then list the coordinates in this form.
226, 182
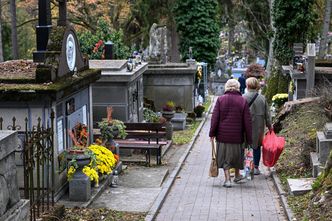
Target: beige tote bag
213, 167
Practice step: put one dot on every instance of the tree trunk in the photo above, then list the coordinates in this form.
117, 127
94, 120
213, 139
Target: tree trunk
270, 60
325, 28
230, 39
14, 30
1, 49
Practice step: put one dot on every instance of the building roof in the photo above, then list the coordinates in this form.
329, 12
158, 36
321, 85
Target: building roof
17, 70
19, 77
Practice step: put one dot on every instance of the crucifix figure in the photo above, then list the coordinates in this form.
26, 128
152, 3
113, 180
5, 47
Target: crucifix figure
62, 12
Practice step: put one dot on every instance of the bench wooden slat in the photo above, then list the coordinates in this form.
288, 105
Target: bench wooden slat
144, 135
145, 126
138, 146
140, 141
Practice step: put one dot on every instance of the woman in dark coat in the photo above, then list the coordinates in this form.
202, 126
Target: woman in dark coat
230, 124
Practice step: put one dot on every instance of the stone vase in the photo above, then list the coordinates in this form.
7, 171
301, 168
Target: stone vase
168, 115
80, 184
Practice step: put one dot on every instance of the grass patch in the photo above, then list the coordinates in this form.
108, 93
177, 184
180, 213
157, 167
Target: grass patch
299, 129
299, 204
207, 103
80, 214
185, 136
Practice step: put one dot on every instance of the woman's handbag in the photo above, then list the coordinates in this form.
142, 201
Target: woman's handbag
213, 166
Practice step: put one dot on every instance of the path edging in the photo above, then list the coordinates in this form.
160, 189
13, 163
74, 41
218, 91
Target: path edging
152, 213
283, 196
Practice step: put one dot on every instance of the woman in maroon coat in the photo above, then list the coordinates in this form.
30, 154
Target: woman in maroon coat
230, 125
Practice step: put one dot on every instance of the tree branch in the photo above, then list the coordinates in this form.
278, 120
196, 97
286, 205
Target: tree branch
254, 16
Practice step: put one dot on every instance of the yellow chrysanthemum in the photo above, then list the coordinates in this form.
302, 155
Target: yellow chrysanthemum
91, 173
105, 159
71, 172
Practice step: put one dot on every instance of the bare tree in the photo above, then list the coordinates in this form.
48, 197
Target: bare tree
14, 29
325, 28
1, 49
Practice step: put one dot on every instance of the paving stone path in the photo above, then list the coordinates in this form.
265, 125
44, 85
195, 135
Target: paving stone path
197, 197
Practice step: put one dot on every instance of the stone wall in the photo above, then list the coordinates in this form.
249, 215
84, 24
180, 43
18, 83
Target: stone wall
10, 202
170, 82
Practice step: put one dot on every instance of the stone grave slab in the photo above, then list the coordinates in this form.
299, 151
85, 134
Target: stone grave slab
179, 121
314, 164
300, 186
110, 65
323, 147
127, 199
138, 188
143, 177
328, 130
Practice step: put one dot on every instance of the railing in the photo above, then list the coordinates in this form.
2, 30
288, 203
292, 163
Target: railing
38, 161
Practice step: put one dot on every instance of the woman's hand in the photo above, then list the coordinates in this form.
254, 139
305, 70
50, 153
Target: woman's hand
271, 128
212, 139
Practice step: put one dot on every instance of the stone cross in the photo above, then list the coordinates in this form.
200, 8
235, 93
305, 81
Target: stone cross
310, 69
42, 29
62, 12
109, 114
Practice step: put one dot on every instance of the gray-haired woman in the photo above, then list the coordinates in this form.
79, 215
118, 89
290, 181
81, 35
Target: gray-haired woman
260, 117
230, 123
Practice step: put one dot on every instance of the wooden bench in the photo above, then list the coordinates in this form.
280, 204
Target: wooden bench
145, 136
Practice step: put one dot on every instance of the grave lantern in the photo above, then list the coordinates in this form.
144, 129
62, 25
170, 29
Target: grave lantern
311, 49
109, 50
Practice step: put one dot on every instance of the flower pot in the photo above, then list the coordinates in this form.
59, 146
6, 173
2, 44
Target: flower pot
79, 183
80, 158
76, 152
115, 132
168, 115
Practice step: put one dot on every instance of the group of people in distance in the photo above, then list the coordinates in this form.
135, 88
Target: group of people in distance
239, 121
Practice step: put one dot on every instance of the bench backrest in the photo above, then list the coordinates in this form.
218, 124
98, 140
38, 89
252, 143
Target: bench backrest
146, 131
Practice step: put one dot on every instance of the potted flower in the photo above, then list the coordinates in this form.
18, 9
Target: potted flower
179, 119
199, 109
112, 129
278, 100
168, 110
150, 116
77, 155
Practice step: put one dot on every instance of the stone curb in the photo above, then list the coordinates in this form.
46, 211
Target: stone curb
282, 194
152, 213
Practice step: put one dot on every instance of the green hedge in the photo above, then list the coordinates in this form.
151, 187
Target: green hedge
277, 83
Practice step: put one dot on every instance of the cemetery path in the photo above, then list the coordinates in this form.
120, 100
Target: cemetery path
196, 196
